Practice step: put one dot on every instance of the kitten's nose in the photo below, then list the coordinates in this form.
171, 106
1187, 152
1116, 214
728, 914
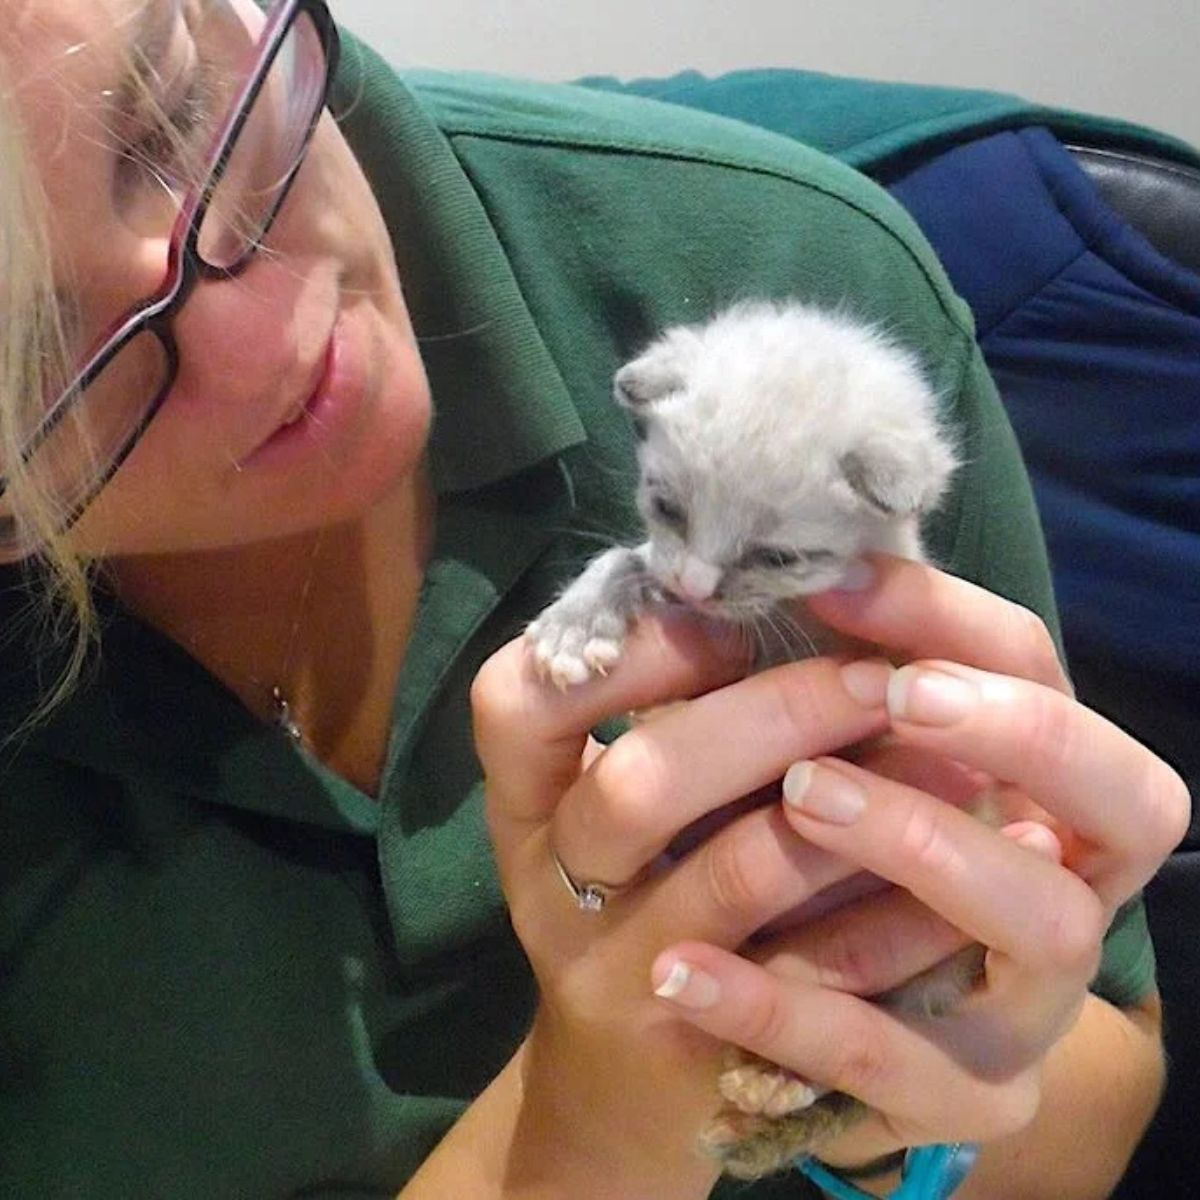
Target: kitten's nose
697, 580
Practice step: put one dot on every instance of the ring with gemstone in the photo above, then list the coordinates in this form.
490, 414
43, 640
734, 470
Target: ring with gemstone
590, 897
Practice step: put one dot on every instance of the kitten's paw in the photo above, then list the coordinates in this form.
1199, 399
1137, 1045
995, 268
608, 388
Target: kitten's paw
751, 1145
570, 645
766, 1089
747, 1147
770, 1116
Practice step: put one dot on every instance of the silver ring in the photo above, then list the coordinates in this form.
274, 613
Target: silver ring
589, 897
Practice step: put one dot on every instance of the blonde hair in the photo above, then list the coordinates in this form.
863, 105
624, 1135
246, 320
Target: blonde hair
37, 355
36, 359
33, 354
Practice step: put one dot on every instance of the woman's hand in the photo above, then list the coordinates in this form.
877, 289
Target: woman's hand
615, 1089
993, 704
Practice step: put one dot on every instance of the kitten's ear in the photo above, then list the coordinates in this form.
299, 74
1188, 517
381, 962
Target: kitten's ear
899, 475
658, 372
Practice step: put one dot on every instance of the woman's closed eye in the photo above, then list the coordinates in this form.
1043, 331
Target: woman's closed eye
166, 145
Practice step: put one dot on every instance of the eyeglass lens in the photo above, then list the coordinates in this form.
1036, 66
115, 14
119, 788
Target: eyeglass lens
268, 147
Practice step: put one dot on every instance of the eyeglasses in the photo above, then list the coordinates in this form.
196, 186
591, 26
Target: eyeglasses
82, 437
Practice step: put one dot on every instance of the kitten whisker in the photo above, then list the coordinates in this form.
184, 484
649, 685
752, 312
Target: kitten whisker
804, 638
775, 442
786, 649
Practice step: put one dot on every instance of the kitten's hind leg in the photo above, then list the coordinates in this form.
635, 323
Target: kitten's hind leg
752, 1145
582, 633
755, 1086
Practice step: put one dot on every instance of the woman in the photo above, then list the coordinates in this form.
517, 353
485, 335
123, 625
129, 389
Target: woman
254, 942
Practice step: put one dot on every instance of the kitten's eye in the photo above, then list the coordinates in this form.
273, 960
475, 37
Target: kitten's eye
669, 512
769, 558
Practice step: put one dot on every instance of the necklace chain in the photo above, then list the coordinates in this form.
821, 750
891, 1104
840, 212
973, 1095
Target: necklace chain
284, 717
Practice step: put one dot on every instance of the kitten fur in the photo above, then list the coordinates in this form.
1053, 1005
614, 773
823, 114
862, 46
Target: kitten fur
777, 444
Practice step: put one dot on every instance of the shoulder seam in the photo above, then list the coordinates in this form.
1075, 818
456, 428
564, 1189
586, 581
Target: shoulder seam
453, 130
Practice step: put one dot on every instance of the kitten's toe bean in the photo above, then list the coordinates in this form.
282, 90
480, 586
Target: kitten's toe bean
568, 670
745, 1087
791, 1096
556, 651
758, 1088
723, 1133
601, 653
543, 657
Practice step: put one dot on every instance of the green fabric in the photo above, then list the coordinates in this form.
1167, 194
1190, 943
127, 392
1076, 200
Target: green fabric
225, 972
884, 128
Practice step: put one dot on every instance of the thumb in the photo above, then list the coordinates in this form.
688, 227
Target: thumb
530, 737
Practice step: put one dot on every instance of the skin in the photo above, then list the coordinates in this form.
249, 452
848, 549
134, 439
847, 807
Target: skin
1032, 1065
214, 553
213, 556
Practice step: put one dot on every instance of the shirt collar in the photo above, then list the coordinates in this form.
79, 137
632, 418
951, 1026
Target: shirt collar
502, 410
500, 403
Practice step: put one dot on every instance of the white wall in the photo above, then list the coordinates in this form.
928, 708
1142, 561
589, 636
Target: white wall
1130, 58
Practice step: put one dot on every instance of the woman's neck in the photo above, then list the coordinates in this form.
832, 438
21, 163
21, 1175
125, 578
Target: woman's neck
324, 616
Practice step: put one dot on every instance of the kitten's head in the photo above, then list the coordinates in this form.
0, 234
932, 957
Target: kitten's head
776, 446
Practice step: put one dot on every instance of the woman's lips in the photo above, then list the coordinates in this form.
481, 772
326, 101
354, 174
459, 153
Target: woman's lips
319, 378
327, 414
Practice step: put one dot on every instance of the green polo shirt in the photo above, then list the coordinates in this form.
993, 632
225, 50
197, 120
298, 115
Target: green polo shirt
224, 972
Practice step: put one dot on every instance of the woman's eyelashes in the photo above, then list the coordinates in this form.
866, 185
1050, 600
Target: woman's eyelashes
164, 140
169, 149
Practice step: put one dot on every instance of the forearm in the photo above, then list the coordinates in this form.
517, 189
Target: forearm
472, 1159
513, 1144
1101, 1086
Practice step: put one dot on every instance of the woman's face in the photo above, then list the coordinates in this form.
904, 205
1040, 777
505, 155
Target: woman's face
317, 313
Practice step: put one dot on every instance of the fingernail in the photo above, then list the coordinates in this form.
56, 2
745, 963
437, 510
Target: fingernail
859, 577
927, 697
823, 794
867, 681
689, 987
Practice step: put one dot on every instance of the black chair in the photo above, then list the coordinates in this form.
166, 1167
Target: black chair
1162, 201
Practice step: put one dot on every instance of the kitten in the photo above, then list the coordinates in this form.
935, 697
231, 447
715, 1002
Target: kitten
778, 443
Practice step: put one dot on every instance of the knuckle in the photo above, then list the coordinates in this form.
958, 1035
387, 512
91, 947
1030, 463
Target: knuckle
1036, 646
1165, 807
736, 883
764, 1024
1073, 931
843, 960
630, 781
1014, 1106
924, 841
857, 1062
1045, 725
496, 695
800, 706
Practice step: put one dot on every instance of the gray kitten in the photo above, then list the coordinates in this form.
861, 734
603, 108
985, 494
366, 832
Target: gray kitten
778, 443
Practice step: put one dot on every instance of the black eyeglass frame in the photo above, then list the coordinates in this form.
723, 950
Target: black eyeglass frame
185, 265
